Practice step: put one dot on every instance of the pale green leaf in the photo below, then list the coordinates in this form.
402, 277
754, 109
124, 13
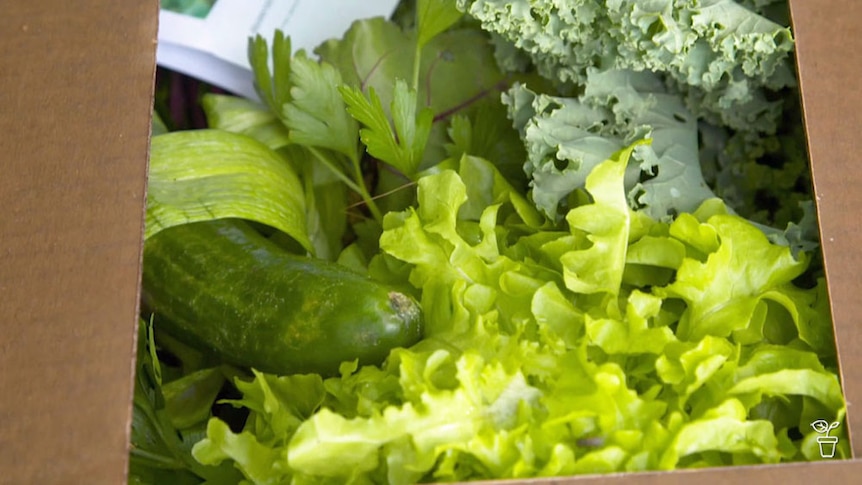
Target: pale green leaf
209, 174
238, 115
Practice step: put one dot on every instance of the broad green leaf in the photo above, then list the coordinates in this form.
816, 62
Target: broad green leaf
372, 54
433, 17
210, 174
487, 133
457, 71
188, 399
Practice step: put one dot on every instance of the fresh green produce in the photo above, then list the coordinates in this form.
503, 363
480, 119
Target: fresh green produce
206, 174
223, 286
610, 278
621, 344
725, 58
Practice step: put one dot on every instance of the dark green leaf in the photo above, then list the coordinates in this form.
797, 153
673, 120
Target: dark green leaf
188, 399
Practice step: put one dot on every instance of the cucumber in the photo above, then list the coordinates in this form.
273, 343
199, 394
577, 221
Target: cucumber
224, 288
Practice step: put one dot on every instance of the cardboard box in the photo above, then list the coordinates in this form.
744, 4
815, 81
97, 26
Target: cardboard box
76, 82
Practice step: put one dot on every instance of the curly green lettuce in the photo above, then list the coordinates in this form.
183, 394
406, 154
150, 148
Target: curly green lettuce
604, 347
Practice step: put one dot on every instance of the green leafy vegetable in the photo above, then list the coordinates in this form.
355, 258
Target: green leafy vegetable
724, 57
488, 134
161, 437
434, 17
653, 301
542, 358
453, 73
209, 174
315, 114
402, 147
325, 194
304, 95
616, 109
238, 115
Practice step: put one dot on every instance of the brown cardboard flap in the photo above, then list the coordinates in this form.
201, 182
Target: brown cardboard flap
829, 55
823, 472
76, 80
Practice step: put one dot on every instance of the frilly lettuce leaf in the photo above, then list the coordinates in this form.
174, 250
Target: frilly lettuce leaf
731, 284
603, 224
526, 371
724, 428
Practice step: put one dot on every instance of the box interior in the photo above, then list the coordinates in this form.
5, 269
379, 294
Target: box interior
76, 84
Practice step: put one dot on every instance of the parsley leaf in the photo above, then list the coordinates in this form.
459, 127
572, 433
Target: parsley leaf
316, 114
401, 145
272, 86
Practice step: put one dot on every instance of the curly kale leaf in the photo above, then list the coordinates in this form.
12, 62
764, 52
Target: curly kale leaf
723, 57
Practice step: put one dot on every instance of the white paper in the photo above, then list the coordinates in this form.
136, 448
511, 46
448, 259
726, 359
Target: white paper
208, 39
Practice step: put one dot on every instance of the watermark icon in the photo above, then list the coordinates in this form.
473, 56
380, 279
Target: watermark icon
827, 443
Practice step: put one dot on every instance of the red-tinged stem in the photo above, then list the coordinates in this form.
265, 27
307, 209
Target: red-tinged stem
376, 65
502, 85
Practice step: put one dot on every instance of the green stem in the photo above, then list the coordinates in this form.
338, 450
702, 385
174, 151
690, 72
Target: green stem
334, 169
366, 196
358, 186
417, 56
151, 458
417, 61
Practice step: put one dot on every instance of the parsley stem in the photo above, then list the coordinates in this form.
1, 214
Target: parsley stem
358, 186
366, 196
334, 169
417, 60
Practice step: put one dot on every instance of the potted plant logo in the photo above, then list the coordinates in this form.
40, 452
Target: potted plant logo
827, 443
